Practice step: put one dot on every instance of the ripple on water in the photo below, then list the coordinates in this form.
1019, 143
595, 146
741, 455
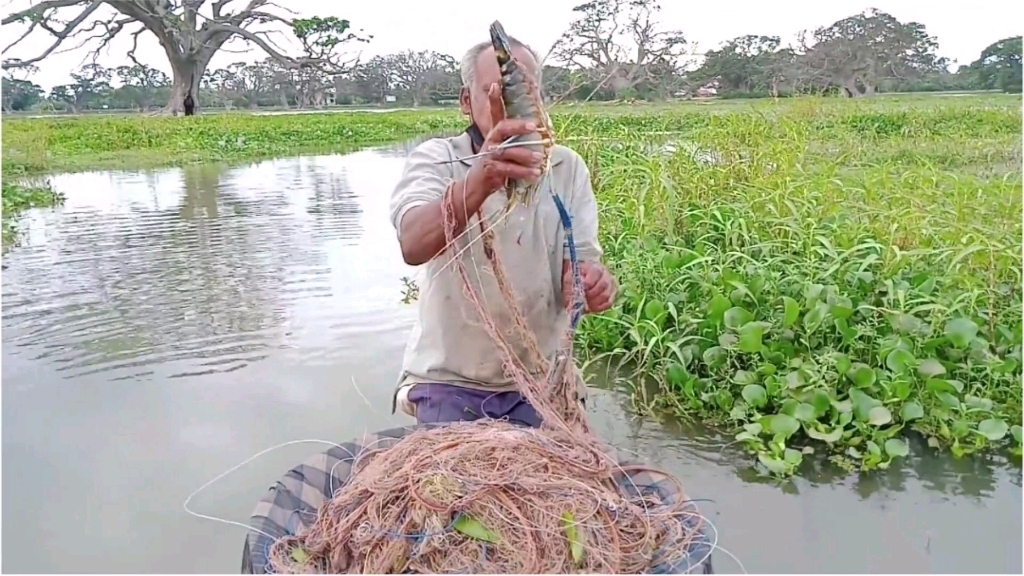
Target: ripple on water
185, 272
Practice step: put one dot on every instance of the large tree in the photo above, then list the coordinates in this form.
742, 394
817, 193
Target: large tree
999, 66
90, 83
189, 31
860, 52
425, 75
620, 44
753, 64
20, 94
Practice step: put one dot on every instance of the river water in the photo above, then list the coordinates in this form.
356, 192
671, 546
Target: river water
163, 326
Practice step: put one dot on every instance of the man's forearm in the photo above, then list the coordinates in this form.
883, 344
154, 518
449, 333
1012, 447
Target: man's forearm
422, 234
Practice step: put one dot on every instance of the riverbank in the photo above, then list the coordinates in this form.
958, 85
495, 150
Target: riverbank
17, 198
819, 275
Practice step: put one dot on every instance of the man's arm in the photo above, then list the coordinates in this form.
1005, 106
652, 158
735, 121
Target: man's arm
416, 203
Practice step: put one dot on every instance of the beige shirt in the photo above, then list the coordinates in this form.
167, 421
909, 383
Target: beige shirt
448, 342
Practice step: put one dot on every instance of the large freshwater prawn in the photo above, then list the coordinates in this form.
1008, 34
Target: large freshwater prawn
523, 100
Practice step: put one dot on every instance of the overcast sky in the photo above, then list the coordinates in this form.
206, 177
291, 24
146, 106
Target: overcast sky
963, 29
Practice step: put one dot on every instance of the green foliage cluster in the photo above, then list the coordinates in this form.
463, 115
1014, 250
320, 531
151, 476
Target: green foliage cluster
818, 275
40, 145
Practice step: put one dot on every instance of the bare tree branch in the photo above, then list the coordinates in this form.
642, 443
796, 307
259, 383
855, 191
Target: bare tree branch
61, 34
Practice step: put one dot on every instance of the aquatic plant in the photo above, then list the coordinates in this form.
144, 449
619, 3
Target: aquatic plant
839, 274
18, 197
817, 275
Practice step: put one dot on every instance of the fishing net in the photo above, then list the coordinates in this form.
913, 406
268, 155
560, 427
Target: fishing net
494, 497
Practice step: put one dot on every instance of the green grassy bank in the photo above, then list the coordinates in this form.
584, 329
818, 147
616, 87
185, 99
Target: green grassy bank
816, 275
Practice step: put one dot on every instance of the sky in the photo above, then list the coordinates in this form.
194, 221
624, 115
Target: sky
963, 29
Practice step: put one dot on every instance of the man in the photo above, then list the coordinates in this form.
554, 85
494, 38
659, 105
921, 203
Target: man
452, 369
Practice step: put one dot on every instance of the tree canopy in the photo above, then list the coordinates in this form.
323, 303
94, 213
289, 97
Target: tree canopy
611, 49
190, 32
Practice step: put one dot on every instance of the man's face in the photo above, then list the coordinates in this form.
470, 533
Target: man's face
473, 100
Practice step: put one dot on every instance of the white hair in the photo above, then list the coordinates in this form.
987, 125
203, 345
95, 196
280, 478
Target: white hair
468, 66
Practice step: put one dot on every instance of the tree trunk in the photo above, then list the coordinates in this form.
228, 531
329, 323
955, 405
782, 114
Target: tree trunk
851, 88
187, 77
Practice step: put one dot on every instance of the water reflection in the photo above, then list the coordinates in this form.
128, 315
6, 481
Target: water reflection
164, 325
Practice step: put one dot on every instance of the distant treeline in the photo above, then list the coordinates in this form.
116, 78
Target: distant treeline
859, 56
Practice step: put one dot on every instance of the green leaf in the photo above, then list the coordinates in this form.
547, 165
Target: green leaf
791, 311
474, 529
774, 465
784, 424
677, 375
751, 334
830, 437
931, 368
717, 307
804, 412
755, 395
879, 416
575, 538
993, 429
861, 375
901, 389
896, 448
873, 448
737, 316
815, 316
941, 386
821, 402
960, 331
862, 404
743, 377
899, 361
792, 457
843, 363
715, 357
948, 399
654, 310
1016, 431
978, 403
911, 411
300, 555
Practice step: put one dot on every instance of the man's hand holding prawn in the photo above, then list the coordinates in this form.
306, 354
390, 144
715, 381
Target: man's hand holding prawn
490, 173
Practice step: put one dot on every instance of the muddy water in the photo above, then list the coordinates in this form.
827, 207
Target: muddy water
164, 326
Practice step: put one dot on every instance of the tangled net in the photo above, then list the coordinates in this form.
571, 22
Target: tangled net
493, 497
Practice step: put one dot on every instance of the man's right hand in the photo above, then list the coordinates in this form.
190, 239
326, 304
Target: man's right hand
490, 173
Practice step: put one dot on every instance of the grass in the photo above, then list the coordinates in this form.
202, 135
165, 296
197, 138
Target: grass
843, 272
816, 275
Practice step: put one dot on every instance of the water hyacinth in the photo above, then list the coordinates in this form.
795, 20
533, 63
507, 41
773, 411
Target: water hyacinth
813, 275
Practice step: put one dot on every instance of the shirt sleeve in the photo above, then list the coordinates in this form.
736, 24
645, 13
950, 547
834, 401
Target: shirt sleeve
423, 180
583, 210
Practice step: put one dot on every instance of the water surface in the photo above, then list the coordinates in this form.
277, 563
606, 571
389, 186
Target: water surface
163, 326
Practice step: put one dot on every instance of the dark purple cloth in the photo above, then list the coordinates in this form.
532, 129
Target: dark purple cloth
447, 403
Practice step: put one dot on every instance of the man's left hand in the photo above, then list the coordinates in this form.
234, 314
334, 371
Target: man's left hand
599, 287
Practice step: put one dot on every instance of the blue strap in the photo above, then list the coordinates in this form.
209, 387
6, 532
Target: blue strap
577, 280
